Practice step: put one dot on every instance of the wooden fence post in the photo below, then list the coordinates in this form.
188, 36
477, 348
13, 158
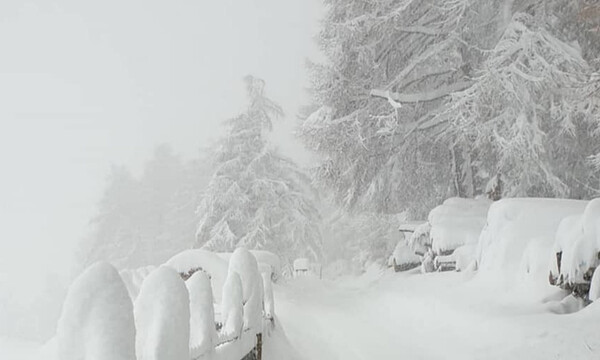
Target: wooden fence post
258, 346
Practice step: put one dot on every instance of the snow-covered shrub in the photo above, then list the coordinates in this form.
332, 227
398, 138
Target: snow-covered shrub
244, 263
203, 334
457, 222
133, 279
162, 317
232, 306
513, 223
97, 319
189, 261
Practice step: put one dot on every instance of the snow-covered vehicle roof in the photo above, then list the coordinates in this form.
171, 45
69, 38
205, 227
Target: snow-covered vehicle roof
302, 264
457, 222
410, 226
513, 223
209, 262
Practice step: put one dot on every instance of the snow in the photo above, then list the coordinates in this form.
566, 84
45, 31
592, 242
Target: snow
162, 317
457, 222
232, 306
203, 334
512, 224
433, 316
595, 286
264, 259
403, 254
269, 301
133, 279
244, 263
213, 264
578, 237
97, 317
301, 264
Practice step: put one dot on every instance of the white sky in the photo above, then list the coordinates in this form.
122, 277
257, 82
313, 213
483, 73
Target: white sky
84, 84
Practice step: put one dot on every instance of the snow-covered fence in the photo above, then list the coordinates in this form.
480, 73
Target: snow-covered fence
174, 319
162, 317
97, 318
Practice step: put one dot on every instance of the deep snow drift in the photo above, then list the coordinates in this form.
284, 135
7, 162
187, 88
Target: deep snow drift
430, 316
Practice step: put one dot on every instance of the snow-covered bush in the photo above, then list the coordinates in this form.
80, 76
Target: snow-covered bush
97, 320
189, 261
244, 263
162, 317
513, 223
232, 306
457, 222
203, 334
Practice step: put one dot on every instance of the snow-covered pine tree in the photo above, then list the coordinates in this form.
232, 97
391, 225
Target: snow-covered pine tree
257, 198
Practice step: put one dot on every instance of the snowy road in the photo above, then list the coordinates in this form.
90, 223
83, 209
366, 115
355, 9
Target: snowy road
436, 316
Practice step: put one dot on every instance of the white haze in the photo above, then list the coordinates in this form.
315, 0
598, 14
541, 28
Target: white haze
87, 84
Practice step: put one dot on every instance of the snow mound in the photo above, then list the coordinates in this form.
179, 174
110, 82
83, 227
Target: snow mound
457, 222
97, 320
212, 264
244, 264
133, 279
203, 334
232, 306
162, 317
513, 223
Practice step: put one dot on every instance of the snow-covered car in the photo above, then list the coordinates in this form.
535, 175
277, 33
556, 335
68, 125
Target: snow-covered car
455, 224
519, 236
301, 266
403, 258
576, 252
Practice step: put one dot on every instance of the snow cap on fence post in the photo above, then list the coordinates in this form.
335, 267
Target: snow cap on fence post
232, 306
244, 263
269, 303
203, 335
162, 317
97, 319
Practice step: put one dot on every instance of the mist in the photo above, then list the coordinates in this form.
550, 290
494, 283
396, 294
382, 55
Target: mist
87, 85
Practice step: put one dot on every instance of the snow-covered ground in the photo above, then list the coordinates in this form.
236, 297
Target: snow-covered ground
431, 316
416, 316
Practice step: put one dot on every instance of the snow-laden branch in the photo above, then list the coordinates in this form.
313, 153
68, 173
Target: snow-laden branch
423, 96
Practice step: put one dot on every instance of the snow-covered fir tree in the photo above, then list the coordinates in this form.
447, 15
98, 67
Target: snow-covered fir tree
146, 220
258, 198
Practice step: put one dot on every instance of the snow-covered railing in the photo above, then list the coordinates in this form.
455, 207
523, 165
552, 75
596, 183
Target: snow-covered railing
165, 317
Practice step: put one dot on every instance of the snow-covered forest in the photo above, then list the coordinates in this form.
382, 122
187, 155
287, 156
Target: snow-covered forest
423, 182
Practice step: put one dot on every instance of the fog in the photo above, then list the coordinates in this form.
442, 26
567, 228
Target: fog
86, 85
